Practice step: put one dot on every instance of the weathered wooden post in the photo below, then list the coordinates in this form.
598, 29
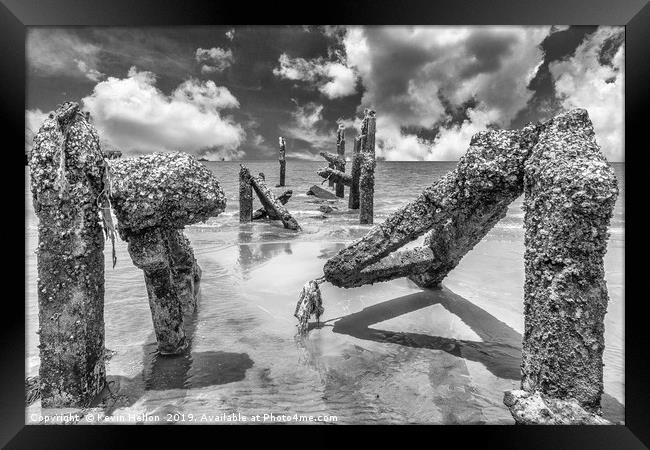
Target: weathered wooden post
355, 170
570, 194
282, 160
67, 171
367, 172
246, 195
154, 197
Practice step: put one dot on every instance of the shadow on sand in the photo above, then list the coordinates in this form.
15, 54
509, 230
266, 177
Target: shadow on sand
499, 351
188, 370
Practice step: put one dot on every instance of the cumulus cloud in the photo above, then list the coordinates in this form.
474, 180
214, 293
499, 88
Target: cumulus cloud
594, 79
214, 59
413, 76
308, 125
334, 79
59, 52
135, 116
230, 34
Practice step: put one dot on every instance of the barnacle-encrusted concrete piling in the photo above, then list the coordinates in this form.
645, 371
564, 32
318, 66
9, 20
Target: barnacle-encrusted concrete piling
245, 196
570, 194
67, 171
281, 158
355, 170
149, 250
186, 273
340, 150
155, 197
271, 204
367, 168
459, 209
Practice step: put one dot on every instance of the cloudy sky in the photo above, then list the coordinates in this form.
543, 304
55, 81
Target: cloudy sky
229, 92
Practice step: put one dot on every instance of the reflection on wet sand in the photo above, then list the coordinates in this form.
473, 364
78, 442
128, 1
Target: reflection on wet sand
254, 254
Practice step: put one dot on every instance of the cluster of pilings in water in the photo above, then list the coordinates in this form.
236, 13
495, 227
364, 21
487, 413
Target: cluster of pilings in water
154, 197
361, 180
272, 206
570, 191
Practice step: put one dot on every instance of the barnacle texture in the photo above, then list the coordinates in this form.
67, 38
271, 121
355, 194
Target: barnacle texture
168, 190
570, 193
67, 169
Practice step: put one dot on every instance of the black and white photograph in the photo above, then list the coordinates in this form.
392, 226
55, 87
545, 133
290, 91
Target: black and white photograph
325, 224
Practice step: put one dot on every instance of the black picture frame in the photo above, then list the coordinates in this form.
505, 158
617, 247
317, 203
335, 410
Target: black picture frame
16, 15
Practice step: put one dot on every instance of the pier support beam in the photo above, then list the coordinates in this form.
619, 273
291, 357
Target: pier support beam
67, 171
154, 197
367, 168
570, 194
281, 158
185, 270
149, 251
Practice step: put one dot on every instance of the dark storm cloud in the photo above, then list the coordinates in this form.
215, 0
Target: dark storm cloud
556, 47
434, 86
610, 47
231, 91
484, 51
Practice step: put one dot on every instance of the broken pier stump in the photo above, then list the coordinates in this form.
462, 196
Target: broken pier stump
155, 196
570, 191
271, 204
67, 172
340, 150
367, 169
355, 170
245, 196
262, 213
282, 159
